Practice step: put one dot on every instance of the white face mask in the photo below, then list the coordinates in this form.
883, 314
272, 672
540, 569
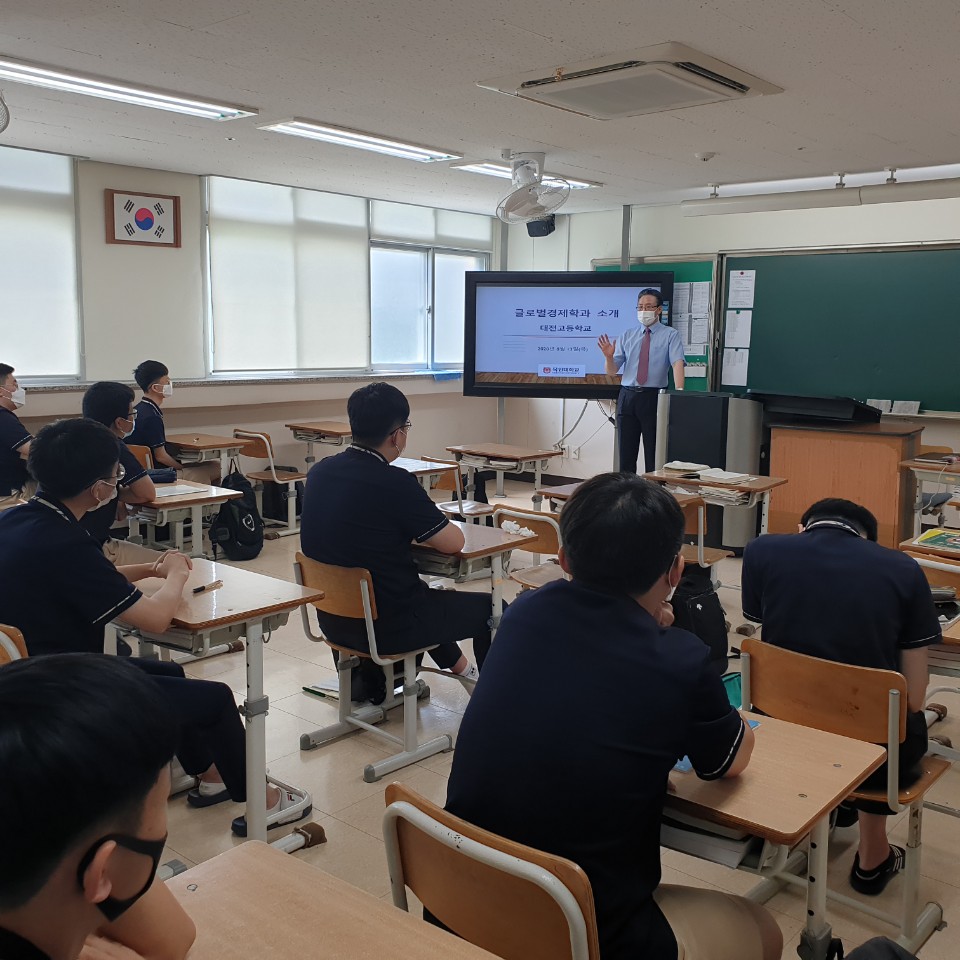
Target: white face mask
133, 426
167, 390
113, 493
18, 397
647, 317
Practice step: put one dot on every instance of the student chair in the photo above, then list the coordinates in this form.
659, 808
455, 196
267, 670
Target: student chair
470, 510
143, 454
12, 645
348, 592
260, 446
932, 503
863, 704
547, 541
512, 900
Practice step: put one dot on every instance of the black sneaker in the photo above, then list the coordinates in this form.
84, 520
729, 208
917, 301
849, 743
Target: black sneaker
873, 882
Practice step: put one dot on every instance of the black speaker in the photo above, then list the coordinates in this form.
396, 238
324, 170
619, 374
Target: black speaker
542, 227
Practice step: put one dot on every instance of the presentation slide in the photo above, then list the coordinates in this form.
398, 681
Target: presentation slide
548, 334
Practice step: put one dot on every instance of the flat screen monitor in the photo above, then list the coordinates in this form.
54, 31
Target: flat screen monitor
535, 334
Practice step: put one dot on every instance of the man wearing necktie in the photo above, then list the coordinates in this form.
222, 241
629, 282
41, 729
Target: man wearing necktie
646, 353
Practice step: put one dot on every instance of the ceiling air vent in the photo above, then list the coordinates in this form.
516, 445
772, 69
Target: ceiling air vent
667, 76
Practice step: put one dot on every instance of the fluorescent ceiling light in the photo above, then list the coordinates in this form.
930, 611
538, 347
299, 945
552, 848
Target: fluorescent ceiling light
361, 141
505, 172
19, 71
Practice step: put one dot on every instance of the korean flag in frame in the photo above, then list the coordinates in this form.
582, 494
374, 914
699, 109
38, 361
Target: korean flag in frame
144, 219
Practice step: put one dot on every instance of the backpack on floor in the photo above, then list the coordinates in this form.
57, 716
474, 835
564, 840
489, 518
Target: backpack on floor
697, 608
238, 528
275, 496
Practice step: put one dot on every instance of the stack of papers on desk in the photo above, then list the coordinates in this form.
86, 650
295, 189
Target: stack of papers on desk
940, 539
715, 473
708, 841
177, 490
685, 466
715, 494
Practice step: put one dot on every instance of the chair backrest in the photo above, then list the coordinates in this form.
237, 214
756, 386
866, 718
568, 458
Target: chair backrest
258, 445
939, 571
836, 697
12, 644
517, 902
545, 525
142, 454
449, 479
691, 518
341, 586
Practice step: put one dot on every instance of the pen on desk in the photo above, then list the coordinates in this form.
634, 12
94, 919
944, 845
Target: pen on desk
208, 586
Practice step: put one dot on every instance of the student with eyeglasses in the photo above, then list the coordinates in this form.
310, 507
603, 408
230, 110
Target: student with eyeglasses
85, 748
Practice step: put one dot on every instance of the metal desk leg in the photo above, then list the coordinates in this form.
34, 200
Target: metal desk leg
177, 534
764, 511
310, 458
255, 712
471, 480
701, 559
537, 478
196, 532
817, 934
500, 492
917, 505
496, 591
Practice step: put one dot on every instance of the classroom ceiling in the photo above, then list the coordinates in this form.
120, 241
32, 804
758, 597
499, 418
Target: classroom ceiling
867, 84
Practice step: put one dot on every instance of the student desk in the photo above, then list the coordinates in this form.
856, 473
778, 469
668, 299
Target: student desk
795, 777
502, 458
757, 490
248, 605
199, 447
175, 503
423, 470
943, 474
252, 902
333, 432
483, 548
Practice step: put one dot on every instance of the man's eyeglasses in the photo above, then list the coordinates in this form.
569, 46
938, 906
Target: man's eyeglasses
121, 473
405, 426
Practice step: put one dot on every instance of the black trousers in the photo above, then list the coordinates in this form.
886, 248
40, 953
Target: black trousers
211, 730
636, 419
912, 751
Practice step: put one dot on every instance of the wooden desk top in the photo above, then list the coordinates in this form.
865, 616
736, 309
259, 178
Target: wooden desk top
901, 428
204, 441
421, 468
482, 541
245, 595
203, 494
951, 636
327, 428
945, 552
795, 776
756, 485
255, 902
565, 491
947, 469
503, 451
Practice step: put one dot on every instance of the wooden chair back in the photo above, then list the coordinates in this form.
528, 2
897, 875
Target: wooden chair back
509, 915
449, 479
690, 519
835, 697
143, 455
258, 445
544, 524
934, 570
340, 585
12, 645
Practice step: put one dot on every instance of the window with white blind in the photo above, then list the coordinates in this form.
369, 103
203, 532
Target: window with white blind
289, 278
39, 322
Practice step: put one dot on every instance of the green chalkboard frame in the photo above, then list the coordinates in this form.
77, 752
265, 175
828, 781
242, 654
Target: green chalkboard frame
870, 322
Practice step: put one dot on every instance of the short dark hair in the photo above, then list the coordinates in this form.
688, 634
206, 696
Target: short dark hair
83, 739
650, 292
834, 508
106, 400
148, 373
68, 456
375, 411
621, 533
5, 371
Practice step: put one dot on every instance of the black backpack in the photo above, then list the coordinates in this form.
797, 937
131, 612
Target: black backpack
238, 528
697, 608
275, 496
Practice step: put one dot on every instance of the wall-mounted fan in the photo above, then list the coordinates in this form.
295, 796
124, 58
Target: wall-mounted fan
534, 197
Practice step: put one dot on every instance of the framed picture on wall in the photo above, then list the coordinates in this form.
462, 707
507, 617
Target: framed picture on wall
144, 219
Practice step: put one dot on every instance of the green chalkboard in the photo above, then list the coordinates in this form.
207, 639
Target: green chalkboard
871, 324
684, 271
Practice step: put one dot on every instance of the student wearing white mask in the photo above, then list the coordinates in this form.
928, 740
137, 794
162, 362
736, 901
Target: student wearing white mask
153, 378
14, 442
645, 352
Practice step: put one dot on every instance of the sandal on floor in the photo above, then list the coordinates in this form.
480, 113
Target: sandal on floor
275, 817
873, 882
938, 708
207, 794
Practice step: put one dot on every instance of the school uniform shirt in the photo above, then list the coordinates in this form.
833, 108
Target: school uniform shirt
359, 511
832, 594
149, 431
15, 947
56, 585
582, 772
98, 523
13, 468
666, 347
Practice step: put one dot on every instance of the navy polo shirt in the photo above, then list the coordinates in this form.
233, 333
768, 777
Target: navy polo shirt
55, 583
832, 594
585, 777
359, 511
149, 431
13, 468
99, 522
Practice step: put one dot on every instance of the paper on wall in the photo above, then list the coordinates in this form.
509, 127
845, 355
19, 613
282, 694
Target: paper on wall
738, 327
700, 298
735, 364
699, 330
695, 370
741, 287
696, 350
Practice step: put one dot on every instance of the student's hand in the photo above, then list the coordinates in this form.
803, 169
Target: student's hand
173, 562
671, 786
665, 618
607, 346
100, 948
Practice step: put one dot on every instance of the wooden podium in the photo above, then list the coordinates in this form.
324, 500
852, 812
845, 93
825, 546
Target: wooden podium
855, 461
